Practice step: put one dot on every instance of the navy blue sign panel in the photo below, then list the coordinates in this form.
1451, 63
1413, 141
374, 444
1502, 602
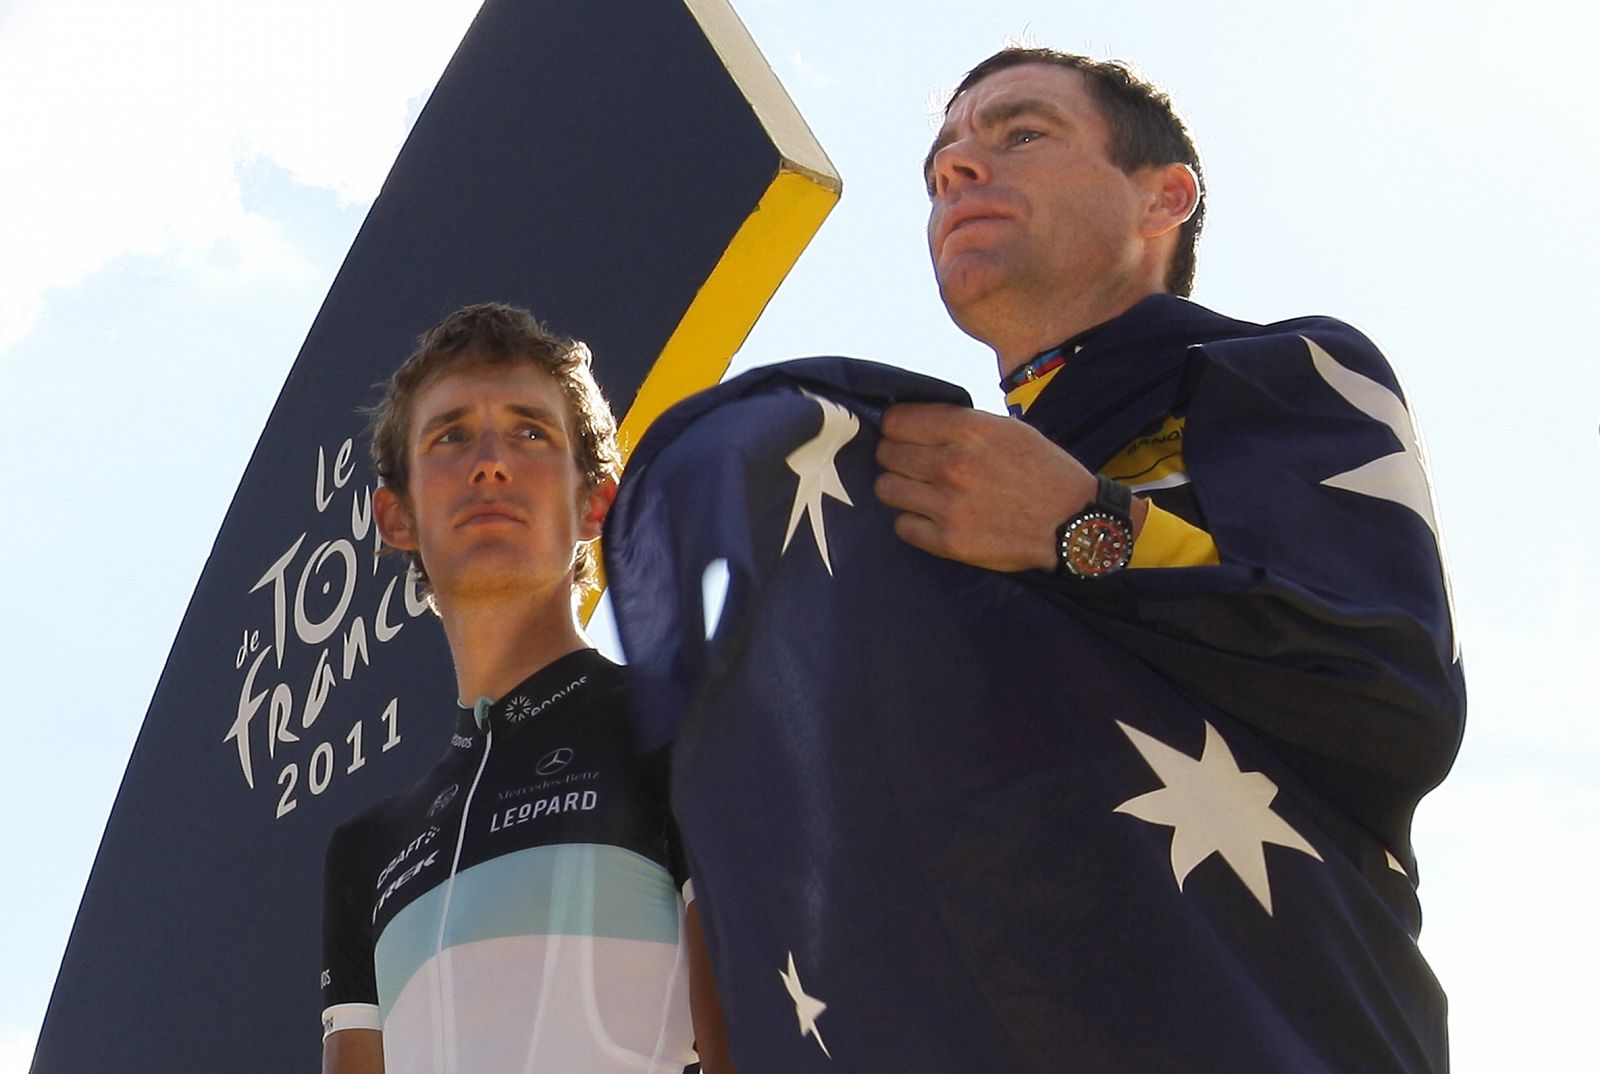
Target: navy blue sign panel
598, 161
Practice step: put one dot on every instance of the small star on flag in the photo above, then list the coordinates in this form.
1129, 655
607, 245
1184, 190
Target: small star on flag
807, 1009
814, 462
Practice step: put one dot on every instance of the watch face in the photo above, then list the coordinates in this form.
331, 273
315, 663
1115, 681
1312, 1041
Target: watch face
1097, 544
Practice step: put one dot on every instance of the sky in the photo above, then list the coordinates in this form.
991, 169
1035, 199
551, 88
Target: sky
179, 181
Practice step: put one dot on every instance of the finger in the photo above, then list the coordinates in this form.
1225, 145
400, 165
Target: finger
920, 462
904, 494
921, 532
921, 423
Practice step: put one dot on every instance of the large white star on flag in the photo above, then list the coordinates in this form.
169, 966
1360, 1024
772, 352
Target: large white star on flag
1213, 808
814, 463
807, 1009
1400, 478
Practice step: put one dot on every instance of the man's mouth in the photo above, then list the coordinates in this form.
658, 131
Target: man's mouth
488, 513
960, 220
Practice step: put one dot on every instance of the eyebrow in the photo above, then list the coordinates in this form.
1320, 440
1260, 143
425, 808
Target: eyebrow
992, 115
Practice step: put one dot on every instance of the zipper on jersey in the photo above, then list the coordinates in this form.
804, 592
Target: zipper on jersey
480, 716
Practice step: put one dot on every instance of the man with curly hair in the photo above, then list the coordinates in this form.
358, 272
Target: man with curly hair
519, 907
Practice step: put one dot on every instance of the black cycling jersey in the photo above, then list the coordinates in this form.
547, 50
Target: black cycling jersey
518, 907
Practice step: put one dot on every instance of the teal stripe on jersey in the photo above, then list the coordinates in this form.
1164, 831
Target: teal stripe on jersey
582, 889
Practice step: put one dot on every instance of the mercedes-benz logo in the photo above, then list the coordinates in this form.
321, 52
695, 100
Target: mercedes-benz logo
553, 762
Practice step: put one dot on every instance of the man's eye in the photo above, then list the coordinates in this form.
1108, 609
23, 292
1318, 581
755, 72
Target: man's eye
451, 435
530, 432
1024, 135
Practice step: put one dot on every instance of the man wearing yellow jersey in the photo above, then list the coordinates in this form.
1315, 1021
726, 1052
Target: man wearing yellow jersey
1245, 508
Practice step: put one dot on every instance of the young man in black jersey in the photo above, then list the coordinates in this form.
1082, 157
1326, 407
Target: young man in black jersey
519, 907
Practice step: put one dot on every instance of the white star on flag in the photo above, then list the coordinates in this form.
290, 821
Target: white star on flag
1400, 478
807, 1009
1213, 808
814, 463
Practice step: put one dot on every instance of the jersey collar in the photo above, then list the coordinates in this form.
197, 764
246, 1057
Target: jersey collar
1024, 383
545, 691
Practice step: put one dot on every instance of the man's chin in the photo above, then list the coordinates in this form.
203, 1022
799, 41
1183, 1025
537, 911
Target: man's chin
491, 566
966, 276
966, 290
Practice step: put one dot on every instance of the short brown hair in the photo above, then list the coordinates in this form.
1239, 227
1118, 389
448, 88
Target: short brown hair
1145, 130
491, 334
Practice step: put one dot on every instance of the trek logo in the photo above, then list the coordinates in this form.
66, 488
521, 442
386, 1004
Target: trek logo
410, 849
571, 802
401, 879
553, 762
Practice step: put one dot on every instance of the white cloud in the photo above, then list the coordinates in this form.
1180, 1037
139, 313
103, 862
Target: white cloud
808, 73
359, 74
124, 126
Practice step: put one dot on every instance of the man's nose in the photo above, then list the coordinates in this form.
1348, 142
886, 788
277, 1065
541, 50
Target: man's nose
489, 464
958, 163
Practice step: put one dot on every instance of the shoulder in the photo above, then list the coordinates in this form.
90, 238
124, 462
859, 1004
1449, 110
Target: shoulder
1298, 346
1199, 339
604, 671
350, 839
584, 694
1303, 399
607, 716
606, 684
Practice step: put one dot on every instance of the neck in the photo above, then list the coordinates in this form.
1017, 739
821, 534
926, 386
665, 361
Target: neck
1043, 324
500, 642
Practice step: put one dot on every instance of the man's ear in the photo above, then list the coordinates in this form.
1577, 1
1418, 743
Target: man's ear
1175, 195
395, 524
594, 507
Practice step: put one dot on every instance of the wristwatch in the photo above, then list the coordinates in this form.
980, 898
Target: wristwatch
1098, 540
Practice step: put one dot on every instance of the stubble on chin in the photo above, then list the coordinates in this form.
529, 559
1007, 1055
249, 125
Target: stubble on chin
967, 284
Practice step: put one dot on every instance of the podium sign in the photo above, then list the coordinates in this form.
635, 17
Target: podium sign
632, 172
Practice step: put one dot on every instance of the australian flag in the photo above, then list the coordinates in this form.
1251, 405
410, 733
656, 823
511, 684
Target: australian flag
945, 819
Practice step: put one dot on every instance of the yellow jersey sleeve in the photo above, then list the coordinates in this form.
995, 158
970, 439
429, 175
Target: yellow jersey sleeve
1166, 540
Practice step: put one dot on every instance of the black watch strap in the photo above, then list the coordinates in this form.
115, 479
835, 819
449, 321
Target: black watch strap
1113, 496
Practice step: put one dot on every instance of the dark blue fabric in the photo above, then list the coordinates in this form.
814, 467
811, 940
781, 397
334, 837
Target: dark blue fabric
1330, 604
906, 775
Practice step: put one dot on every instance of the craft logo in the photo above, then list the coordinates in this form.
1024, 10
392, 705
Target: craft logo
409, 849
323, 605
